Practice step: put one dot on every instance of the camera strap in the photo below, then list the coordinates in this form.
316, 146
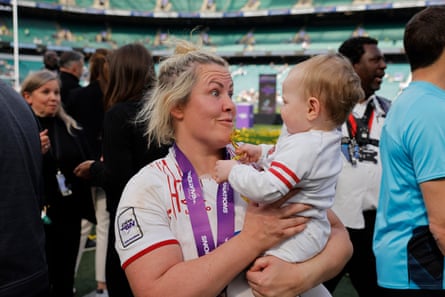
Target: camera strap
359, 128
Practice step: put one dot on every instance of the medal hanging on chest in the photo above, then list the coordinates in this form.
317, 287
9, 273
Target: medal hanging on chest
197, 209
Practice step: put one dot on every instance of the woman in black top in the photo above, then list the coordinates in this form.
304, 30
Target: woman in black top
125, 147
64, 193
86, 106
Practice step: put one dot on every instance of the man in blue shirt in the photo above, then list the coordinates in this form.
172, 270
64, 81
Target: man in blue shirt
409, 239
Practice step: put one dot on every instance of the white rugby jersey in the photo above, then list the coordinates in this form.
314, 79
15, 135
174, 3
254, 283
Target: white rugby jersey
152, 213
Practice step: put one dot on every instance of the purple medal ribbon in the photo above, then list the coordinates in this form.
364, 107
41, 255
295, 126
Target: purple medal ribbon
197, 210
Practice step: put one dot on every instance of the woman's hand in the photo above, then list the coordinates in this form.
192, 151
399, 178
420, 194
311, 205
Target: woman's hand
271, 224
268, 276
83, 169
44, 141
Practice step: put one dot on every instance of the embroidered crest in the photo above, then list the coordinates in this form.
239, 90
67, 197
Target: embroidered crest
129, 229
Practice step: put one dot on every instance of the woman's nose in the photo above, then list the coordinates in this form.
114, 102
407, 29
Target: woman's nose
54, 96
228, 103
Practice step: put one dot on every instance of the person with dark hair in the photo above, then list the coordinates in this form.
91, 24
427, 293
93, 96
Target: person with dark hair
409, 239
23, 269
125, 148
358, 185
51, 61
67, 198
70, 70
86, 106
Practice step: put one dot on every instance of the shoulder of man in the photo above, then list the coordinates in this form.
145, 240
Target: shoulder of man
385, 104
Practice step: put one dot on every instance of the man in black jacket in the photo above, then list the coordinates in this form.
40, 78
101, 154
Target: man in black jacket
51, 61
23, 266
358, 185
71, 67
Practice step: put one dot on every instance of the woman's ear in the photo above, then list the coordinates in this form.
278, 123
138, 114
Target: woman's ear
27, 97
313, 108
177, 112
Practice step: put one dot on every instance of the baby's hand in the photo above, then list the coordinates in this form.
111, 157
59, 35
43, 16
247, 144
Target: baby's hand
248, 153
222, 169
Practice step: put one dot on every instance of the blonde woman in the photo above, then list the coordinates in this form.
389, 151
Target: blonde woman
66, 196
175, 226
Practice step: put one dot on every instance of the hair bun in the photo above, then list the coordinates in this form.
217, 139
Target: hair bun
183, 47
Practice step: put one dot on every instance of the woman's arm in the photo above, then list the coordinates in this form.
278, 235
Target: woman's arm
93, 171
117, 149
163, 272
270, 276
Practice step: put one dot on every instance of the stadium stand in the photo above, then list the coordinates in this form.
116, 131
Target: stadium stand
83, 25
266, 37
133, 5
248, 75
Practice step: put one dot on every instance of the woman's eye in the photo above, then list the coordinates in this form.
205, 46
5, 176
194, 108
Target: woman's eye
215, 93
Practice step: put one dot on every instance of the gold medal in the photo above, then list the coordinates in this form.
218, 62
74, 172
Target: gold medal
235, 133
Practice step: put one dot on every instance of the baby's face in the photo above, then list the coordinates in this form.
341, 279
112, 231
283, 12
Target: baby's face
295, 109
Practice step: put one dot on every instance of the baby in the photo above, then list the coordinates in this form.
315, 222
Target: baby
318, 95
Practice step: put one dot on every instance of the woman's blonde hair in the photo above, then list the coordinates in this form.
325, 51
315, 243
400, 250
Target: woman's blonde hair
37, 79
177, 76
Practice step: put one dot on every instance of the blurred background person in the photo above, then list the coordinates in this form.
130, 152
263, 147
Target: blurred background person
125, 148
163, 5
70, 70
86, 106
248, 40
204, 37
67, 198
23, 269
208, 6
302, 37
251, 5
51, 61
359, 31
358, 185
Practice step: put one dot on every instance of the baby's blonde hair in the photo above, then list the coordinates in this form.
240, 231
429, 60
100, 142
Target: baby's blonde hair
332, 79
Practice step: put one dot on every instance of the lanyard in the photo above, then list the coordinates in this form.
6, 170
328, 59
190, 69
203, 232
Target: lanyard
197, 210
366, 119
359, 129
